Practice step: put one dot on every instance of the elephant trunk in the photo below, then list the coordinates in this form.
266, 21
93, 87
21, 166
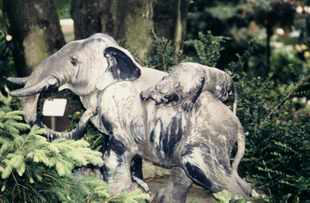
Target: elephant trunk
30, 108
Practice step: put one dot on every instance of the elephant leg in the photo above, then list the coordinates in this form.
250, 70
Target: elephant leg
120, 175
122, 170
116, 168
116, 172
199, 166
137, 172
176, 189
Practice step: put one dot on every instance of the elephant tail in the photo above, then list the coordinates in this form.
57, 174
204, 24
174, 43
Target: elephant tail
240, 150
235, 99
237, 184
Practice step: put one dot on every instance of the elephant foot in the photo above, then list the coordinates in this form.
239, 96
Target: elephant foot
170, 195
162, 196
118, 188
176, 189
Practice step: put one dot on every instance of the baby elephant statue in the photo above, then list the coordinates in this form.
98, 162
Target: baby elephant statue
195, 143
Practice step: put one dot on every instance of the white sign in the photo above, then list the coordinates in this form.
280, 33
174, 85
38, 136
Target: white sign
54, 107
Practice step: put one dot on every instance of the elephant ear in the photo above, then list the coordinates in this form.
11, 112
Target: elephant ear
121, 64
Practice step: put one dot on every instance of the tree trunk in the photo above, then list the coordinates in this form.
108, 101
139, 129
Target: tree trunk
170, 21
307, 29
2, 21
268, 50
129, 22
87, 17
132, 22
36, 31
132, 25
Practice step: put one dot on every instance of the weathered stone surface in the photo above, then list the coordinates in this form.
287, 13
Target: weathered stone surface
152, 171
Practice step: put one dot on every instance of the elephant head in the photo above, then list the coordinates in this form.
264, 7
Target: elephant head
78, 66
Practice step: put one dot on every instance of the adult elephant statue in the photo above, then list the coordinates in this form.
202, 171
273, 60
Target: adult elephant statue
196, 144
79, 66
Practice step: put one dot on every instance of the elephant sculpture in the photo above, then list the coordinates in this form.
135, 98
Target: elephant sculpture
78, 66
196, 144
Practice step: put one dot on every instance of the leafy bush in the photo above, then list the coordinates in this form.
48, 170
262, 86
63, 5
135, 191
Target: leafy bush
206, 49
277, 139
286, 66
162, 56
6, 57
63, 8
276, 124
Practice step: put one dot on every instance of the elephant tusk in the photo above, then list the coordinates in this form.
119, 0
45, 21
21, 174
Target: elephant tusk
18, 81
35, 89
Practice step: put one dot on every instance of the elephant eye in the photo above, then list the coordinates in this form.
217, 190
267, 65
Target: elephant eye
74, 61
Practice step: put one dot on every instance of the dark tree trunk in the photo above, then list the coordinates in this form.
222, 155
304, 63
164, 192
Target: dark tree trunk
307, 29
129, 22
36, 31
268, 50
170, 21
132, 22
180, 27
87, 17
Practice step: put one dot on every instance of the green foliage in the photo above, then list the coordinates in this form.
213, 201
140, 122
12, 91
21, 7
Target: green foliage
32, 169
162, 56
6, 57
274, 12
223, 11
277, 139
93, 190
303, 91
27, 159
63, 8
207, 49
287, 57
